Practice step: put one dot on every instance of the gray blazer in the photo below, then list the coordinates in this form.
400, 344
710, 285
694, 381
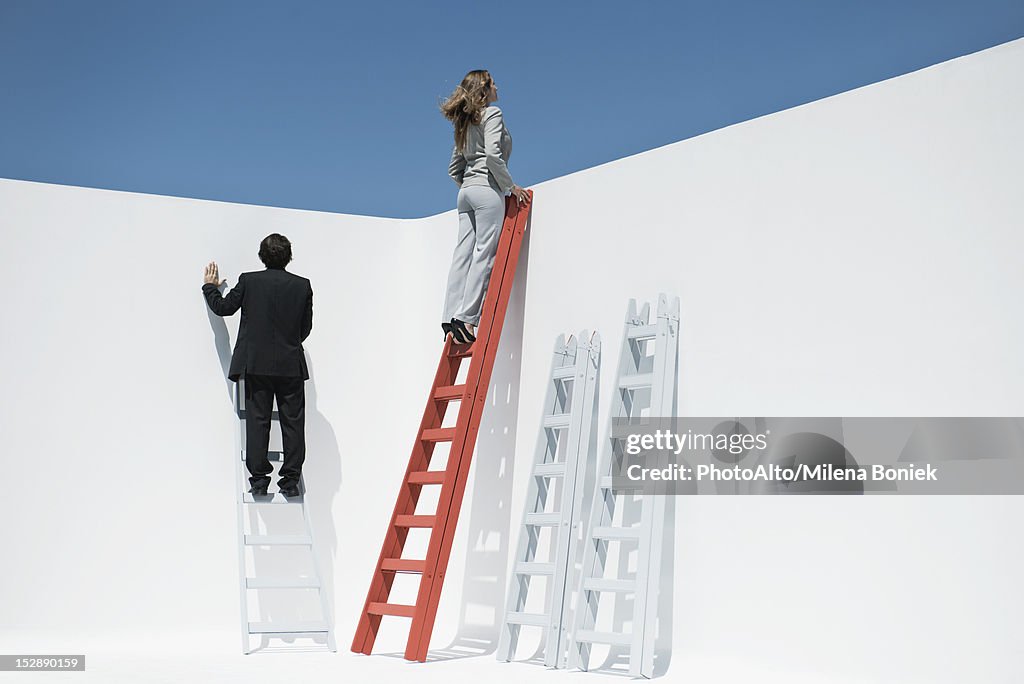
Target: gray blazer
485, 159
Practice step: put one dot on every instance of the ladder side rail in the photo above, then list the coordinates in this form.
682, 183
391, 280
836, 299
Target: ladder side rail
663, 401
651, 505
585, 452
240, 505
451, 502
317, 574
568, 527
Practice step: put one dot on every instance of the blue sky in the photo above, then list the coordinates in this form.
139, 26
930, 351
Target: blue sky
333, 105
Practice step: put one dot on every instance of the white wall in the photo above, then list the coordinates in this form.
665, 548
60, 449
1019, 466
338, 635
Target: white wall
855, 256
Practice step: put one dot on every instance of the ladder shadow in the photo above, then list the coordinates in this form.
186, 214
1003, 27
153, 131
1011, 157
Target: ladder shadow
484, 577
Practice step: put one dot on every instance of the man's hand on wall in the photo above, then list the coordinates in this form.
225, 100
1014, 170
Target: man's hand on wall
211, 276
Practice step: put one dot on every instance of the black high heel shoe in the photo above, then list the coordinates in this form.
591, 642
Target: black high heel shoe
460, 333
456, 334
447, 328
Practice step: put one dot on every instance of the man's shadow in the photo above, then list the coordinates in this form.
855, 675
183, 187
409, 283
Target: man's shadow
322, 477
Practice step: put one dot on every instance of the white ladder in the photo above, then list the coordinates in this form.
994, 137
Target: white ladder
646, 380
245, 498
565, 446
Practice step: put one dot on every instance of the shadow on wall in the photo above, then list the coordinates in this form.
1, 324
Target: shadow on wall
322, 476
489, 520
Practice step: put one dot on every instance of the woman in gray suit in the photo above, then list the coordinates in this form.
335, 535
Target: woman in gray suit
479, 167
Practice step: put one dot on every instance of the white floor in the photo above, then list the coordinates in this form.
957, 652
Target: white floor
216, 657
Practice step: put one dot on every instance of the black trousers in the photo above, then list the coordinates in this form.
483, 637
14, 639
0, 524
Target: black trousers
260, 391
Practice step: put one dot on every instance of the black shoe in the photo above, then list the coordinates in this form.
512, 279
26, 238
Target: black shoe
259, 491
447, 328
460, 333
290, 490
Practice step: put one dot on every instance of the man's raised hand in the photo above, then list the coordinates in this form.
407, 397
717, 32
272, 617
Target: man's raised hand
211, 276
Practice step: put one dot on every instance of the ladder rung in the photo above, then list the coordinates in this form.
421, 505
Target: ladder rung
427, 477
391, 609
281, 582
549, 469
438, 434
612, 638
415, 521
636, 381
601, 584
530, 568
449, 392
275, 498
557, 421
618, 533
535, 619
403, 565
543, 519
460, 351
313, 627
563, 372
641, 331
278, 540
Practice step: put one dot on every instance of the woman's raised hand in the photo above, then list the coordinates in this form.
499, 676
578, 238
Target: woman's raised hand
520, 194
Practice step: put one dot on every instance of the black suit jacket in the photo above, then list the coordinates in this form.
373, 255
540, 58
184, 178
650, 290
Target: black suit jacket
277, 315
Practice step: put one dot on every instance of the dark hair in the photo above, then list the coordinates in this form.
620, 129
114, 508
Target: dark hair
465, 106
275, 251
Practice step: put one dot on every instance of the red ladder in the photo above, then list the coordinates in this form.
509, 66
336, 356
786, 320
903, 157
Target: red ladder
472, 396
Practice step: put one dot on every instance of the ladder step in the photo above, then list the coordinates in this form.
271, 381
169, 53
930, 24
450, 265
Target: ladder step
642, 331
415, 520
312, 627
549, 469
616, 533
612, 638
278, 540
535, 619
438, 434
281, 582
563, 372
274, 498
557, 421
403, 565
543, 519
530, 568
638, 381
601, 584
427, 477
449, 392
391, 609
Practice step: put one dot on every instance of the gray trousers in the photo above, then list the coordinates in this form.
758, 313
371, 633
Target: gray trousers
481, 212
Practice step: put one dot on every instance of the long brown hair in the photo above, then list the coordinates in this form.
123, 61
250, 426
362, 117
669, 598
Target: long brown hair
465, 106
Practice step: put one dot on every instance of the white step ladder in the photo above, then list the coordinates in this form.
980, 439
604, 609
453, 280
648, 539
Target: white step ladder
565, 447
646, 382
245, 499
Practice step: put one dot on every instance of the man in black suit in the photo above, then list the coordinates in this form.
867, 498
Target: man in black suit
277, 315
